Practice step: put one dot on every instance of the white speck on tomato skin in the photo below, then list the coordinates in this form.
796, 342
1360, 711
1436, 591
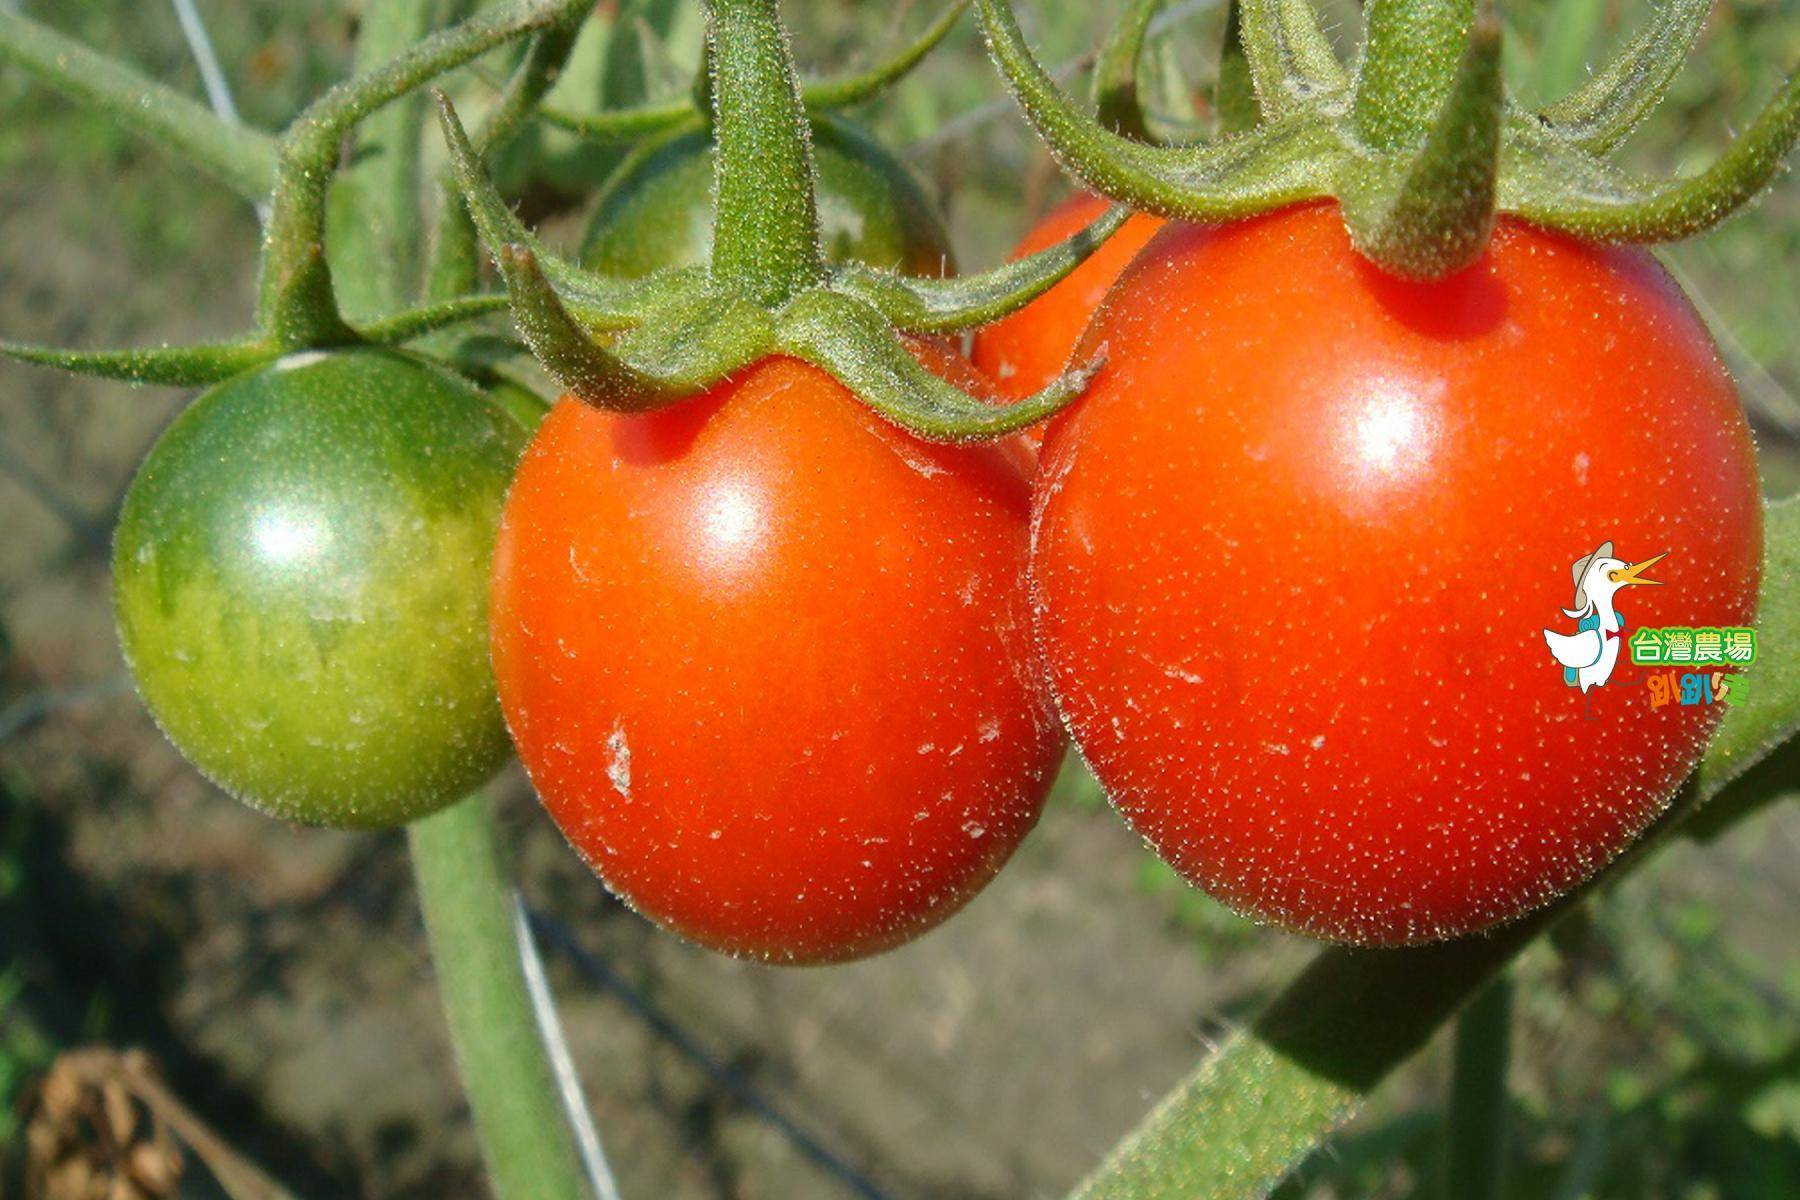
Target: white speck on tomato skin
618, 762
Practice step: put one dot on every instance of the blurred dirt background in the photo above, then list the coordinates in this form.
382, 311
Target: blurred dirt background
279, 975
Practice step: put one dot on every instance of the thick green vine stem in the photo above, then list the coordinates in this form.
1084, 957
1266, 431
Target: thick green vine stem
374, 206
1412, 49
237, 156
636, 345
1421, 145
1475, 1125
766, 238
1259, 1103
512, 1085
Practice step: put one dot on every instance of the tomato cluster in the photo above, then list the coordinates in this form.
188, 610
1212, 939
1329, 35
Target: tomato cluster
794, 682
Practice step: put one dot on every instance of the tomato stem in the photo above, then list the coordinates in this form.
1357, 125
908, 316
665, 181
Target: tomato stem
644, 120
377, 192
1475, 1123
1421, 146
475, 949
1439, 215
1411, 52
455, 261
766, 230
296, 304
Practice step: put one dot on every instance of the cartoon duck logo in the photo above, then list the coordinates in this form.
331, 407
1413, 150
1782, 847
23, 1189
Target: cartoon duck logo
1589, 655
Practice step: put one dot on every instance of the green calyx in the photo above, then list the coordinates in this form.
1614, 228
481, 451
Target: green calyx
1419, 142
640, 344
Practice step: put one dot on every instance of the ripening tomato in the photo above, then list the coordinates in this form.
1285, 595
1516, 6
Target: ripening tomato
1295, 554
657, 210
300, 576
767, 661
1026, 349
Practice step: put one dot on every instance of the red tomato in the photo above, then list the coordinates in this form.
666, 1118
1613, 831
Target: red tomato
1027, 349
1295, 553
767, 661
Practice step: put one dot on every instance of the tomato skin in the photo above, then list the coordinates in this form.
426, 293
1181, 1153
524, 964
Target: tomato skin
657, 210
1025, 350
1293, 553
299, 577
767, 662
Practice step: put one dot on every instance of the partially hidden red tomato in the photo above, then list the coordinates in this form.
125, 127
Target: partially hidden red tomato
767, 661
1296, 552
1027, 349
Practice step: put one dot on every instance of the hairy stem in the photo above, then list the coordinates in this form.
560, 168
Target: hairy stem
455, 249
297, 305
511, 1082
1411, 53
1475, 1125
766, 240
377, 205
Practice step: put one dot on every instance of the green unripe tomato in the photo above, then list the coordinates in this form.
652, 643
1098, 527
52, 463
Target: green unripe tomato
300, 576
657, 210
